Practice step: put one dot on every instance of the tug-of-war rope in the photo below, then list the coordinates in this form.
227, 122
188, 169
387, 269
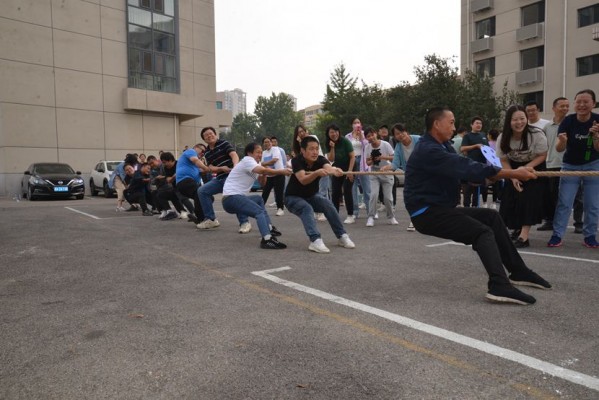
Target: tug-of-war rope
537, 173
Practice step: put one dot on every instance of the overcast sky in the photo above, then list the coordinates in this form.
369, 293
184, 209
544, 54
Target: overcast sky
265, 46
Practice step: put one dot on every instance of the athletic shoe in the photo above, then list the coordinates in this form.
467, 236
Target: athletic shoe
162, 214
381, 208
192, 218
578, 229
120, 209
521, 243
509, 294
350, 220
318, 246
183, 215
170, 214
411, 228
280, 212
555, 241
132, 208
547, 226
208, 224
345, 241
155, 211
147, 213
320, 217
246, 227
273, 204
370, 221
272, 244
529, 278
376, 216
274, 231
590, 242
392, 221
362, 206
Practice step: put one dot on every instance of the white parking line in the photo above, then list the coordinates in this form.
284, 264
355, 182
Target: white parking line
524, 252
540, 365
81, 212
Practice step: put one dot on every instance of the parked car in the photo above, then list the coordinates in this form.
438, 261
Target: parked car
52, 180
99, 177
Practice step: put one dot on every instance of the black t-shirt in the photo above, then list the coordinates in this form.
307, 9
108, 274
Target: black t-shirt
579, 148
294, 187
475, 138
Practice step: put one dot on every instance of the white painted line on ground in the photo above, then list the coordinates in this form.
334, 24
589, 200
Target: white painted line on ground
590, 260
81, 212
569, 375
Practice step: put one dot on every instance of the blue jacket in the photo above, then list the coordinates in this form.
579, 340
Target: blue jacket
120, 171
399, 159
433, 175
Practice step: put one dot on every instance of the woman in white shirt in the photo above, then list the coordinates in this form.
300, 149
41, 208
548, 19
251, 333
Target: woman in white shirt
271, 158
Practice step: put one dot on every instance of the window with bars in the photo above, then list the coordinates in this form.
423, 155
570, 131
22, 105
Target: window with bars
152, 45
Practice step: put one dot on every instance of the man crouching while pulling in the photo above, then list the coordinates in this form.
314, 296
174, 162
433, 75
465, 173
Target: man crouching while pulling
431, 193
302, 197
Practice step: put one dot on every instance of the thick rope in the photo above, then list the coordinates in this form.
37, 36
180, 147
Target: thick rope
537, 173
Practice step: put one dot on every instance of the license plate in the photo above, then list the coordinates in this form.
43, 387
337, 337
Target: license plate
61, 188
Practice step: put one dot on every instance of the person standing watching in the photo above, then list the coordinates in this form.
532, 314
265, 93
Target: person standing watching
271, 158
532, 113
378, 155
472, 143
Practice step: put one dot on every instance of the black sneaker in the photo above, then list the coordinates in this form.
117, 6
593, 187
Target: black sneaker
170, 214
529, 278
147, 213
577, 229
272, 244
192, 218
509, 294
521, 243
274, 231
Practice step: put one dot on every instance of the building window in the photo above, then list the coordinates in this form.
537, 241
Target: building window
219, 105
533, 96
588, 15
485, 28
587, 65
486, 67
532, 58
533, 13
152, 45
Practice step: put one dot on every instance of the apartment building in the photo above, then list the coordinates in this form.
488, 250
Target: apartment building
311, 114
85, 80
542, 49
233, 100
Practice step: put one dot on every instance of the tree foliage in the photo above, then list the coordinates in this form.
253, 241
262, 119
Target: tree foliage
276, 117
245, 129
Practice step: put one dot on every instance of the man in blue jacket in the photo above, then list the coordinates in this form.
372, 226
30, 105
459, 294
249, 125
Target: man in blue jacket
431, 194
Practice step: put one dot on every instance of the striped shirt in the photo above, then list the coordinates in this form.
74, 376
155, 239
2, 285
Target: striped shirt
219, 155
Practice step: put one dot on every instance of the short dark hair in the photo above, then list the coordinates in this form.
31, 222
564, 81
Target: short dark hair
384, 126
398, 127
306, 140
208, 128
475, 118
250, 148
532, 103
557, 100
461, 129
368, 130
433, 115
587, 91
264, 138
151, 158
273, 137
494, 133
167, 156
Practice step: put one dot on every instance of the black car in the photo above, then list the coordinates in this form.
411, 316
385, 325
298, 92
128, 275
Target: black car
52, 180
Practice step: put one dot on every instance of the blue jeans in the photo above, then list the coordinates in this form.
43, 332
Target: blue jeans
305, 208
568, 186
365, 184
245, 206
323, 187
206, 194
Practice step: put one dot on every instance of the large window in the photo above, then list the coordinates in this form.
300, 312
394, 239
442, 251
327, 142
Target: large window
533, 96
485, 28
532, 58
533, 13
588, 15
587, 65
485, 67
152, 45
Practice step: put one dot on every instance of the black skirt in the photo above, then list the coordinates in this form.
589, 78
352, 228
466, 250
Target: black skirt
526, 207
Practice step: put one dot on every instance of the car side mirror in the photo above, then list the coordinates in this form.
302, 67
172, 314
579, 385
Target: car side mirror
27, 173
78, 172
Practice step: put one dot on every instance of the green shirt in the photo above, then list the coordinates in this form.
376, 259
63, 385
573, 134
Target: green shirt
342, 150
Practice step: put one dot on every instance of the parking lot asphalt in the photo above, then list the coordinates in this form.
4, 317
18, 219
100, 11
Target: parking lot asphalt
100, 304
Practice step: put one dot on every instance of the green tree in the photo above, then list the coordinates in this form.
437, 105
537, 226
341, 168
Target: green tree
342, 100
277, 117
245, 129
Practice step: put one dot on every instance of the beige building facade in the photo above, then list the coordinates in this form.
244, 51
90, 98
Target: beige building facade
86, 80
542, 49
311, 114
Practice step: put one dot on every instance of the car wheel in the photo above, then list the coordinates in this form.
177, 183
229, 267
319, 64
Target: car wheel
107, 191
92, 188
30, 195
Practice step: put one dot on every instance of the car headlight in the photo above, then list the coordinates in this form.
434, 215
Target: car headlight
77, 181
35, 180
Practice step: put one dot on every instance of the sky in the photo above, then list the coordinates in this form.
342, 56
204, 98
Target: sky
291, 46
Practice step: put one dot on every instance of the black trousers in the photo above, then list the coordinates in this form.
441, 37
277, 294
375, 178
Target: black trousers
278, 183
164, 194
189, 188
471, 193
342, 184
482, 228
136, 198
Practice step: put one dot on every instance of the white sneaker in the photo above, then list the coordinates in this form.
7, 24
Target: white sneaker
318, 246
320, 217
280, 212
376, 216
370, 221
246, 227
208, 224
411, 228
393, 221
345, 241
485, 205
350, 220
381, 208
273, 204
183, 215
362, 206
120, 209
162, 214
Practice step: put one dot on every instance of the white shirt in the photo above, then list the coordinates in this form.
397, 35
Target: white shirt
540, 123
386, 150
273, 152
241, 178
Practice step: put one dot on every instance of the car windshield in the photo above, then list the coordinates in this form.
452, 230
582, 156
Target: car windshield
111, 165
53, 169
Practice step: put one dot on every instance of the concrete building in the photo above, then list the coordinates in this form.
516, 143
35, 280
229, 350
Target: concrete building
543, 49
85, 80
233, 101
310, 115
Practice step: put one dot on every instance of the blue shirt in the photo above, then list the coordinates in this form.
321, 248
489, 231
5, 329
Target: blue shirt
186, 168
433, 175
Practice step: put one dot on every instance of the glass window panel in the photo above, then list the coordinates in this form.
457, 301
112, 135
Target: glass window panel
170, 66
133, 3
164, 43
486, 67
532, 58
159, 65
164, 23
165, 84
159, 5
140, 37
147, 57
134, 60
533, 13
140, 17
141, 81
485, 28
145, 3
169, 7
